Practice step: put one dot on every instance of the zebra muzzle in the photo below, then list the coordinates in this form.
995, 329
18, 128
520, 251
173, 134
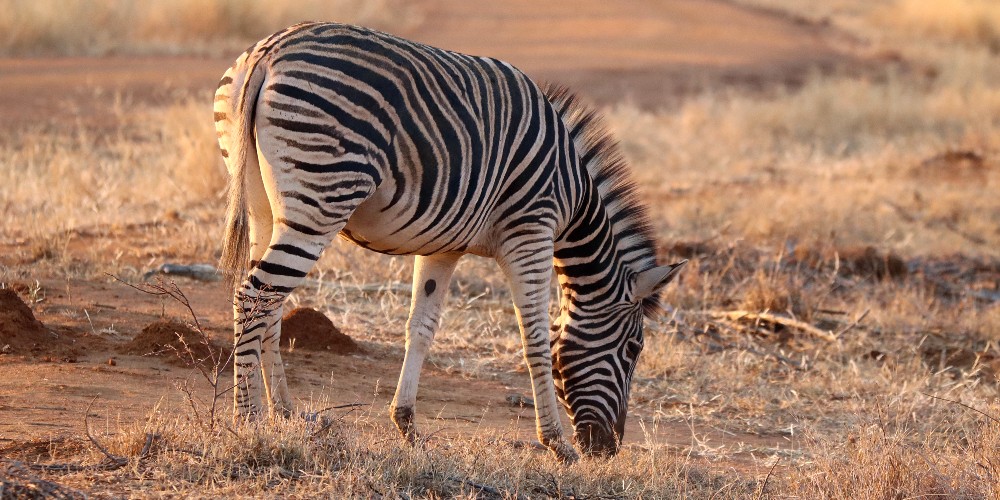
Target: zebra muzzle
597, 440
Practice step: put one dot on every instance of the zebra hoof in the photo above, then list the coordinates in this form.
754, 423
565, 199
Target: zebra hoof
314, 417
565, 452
403, 418
248, 416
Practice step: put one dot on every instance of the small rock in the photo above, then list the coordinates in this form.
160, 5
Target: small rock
520, 401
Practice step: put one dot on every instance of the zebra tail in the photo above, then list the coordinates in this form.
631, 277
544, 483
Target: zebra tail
235, 259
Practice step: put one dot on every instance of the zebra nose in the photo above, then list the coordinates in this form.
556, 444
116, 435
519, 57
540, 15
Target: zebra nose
597, 440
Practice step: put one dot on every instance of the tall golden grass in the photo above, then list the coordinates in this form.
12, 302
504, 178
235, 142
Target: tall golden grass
215, 27
968, 21
155, 160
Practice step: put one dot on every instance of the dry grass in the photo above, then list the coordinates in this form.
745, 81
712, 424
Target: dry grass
98, 27
154, 160
854, 160
352, 458
975, 22
819, 203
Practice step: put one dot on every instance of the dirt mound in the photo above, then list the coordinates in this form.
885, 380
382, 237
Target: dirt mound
19, 330
22, 334
177, 342
306, 328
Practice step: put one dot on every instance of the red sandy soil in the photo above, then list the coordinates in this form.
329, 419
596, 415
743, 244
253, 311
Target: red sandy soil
649, 52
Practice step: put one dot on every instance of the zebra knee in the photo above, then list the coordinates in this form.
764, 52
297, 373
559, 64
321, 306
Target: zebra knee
419, 339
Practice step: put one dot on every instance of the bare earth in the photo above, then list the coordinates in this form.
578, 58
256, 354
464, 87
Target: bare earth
647, 52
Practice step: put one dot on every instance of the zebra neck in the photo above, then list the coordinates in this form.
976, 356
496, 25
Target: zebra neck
590, 263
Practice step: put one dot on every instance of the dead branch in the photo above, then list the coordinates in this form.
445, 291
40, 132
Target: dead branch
115, 460
480, 487
987, 415
763, 486
738, 315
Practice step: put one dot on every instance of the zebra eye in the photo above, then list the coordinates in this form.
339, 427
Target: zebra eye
633, 349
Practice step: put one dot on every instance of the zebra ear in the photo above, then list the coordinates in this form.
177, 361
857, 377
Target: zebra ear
650, 281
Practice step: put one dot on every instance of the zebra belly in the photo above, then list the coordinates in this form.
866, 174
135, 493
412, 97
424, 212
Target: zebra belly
385, 231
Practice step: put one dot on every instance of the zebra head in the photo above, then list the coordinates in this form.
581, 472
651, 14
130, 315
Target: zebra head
595, 352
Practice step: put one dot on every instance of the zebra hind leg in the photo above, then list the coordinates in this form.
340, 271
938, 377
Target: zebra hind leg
293, 250
259, 304
431, 278
249, 306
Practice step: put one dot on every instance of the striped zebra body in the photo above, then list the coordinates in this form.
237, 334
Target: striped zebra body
407, 149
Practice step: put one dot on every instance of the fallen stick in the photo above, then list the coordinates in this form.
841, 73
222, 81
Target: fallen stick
738, 315
853, 324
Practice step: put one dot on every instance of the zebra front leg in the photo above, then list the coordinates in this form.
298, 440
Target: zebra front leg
431, 277
529, 272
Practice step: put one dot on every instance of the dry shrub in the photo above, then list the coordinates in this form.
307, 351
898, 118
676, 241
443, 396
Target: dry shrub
97, 27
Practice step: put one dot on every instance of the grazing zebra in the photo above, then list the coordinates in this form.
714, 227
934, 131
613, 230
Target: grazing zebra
408, 149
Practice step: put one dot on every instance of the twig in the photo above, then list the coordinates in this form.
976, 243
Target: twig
855, 323
146, 446
458, 417
987, 415
779, 357
738, 315
481, 487
339, 407
760, 493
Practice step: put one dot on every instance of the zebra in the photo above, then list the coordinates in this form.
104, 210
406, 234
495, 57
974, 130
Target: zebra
406, 149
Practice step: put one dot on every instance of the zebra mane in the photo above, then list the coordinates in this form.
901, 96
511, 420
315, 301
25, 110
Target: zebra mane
601, 154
